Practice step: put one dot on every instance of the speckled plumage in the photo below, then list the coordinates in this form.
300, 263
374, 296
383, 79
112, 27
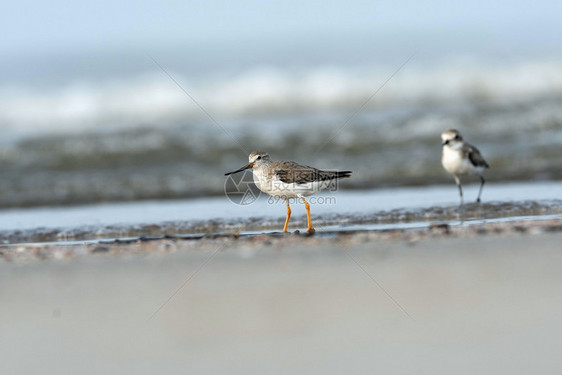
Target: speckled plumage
287, 180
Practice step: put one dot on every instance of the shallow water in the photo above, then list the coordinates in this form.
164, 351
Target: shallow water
181, 158
380, 208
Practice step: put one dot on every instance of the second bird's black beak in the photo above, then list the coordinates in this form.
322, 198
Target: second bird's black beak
446, 142
248, 166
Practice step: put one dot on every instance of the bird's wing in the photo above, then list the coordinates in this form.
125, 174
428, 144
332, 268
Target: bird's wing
475, 157
290, 172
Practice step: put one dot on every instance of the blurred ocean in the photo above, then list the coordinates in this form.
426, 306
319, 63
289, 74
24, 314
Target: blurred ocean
109, 125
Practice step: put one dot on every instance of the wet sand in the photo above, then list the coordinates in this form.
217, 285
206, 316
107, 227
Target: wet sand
377, 209
482, 298
345, 235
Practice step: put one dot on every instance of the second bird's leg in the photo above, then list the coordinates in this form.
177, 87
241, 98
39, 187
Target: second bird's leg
310, 228
460, 188
482, 182
288, 216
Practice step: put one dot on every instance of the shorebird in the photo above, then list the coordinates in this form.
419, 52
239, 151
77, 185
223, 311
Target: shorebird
287, 179
460, 158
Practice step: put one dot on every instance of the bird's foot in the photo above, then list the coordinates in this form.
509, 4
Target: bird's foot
310, 230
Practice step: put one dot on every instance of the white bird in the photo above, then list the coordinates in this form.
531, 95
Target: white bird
460, 158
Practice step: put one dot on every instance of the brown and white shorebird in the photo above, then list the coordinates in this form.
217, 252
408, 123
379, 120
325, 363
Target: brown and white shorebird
287, 180
460, 158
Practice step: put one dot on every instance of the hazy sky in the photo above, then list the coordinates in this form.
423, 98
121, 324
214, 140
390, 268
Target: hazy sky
58, 41
56, 25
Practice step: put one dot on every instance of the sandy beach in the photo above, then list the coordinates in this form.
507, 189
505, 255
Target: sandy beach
479, 298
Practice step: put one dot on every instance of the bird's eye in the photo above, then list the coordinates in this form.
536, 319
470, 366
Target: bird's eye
259, 157
457, 137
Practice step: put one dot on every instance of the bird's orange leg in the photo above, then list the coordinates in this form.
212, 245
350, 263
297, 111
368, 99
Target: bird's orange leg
288, 216
310, 228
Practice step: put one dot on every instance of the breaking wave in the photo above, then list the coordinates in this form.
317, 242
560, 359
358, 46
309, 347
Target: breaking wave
153, 99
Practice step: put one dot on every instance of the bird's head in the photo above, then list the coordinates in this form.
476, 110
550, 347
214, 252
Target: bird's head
255, 160
451, 137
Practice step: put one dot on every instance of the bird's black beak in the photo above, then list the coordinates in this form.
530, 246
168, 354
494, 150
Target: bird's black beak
446, 142
248, 166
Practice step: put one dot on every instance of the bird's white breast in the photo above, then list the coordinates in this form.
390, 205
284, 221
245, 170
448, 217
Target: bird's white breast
453, 161
277, 188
